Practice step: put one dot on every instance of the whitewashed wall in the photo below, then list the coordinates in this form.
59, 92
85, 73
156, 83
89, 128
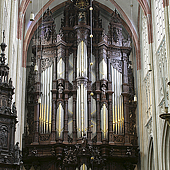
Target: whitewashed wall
8, 22
151, 97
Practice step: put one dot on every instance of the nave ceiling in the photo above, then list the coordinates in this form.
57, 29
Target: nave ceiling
128, 10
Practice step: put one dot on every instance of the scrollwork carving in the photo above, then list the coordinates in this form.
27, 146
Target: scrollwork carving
96, 156
119, 138
46, 62
70, 156
44, 137
14, 110
117, 64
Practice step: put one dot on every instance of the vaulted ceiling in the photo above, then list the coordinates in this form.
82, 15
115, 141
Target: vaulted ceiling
128, 8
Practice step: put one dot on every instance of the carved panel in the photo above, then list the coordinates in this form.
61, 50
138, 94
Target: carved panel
46, 62
119, 138
117, 64
3, 136
44, 137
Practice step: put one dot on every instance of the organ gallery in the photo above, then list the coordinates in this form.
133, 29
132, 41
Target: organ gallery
80, 91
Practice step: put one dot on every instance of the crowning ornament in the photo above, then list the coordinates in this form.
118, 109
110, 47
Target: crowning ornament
82, 4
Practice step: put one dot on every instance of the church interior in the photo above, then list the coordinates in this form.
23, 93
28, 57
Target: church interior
84, 85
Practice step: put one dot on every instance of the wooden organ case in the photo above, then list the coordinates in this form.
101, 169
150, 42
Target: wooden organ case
80, 108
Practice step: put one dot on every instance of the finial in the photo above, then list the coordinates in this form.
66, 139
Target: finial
3, 45
3, 35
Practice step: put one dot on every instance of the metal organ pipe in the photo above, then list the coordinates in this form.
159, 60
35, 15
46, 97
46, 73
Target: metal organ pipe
82, 109
118, 113
82, 91
61, 69
103, 70
46, 101
50, 113
82, 60
45, 104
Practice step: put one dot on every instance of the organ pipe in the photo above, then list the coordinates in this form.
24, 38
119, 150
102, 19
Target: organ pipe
82, 60
60, 123
103, 69
117, 99
61, 69
104, 121
46, 101
81, 90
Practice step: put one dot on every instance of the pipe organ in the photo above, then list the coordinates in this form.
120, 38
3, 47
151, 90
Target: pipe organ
45, 100
117, 98
80, 108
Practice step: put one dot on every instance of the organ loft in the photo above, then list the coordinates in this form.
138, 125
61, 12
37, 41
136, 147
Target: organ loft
80, 90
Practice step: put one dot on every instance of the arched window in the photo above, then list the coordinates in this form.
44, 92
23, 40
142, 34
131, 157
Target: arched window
151, 156
159, 20
145, 45
166, 147
146, 67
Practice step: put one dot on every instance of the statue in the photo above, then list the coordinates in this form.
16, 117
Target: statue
81, 17
60, 91
60, 88
10, 82
71, 20
47, 34
103, 88
14, 110
17, 153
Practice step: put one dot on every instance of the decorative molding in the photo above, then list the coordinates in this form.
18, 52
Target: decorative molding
149, 126
117, 64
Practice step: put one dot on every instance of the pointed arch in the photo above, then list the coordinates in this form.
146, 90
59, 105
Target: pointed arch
134, 33
165, 147
128, 26
151, 155
33, 27
21, 13
143, 3
165, 3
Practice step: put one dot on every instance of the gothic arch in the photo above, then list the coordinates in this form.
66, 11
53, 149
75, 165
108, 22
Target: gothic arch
166, 147
128, 26
143, 4
151, 155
